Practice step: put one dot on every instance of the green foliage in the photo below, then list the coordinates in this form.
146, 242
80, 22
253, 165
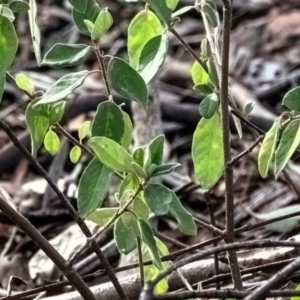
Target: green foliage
79, 5
63, 87
56, 112
172, 4
37, 122
84, 130
24, 83
90, 13
75, 154
162, 11
102, 24
102, 215
65, 55
209, 106
126, 81
268, 147
2, 85
8, 44
292, 99
143, 27
93, 187
52, 142
207, 151
19, 6
296, 297
211, 14
199, 75
289, 142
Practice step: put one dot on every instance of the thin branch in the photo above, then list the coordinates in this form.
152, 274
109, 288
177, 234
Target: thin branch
84, 228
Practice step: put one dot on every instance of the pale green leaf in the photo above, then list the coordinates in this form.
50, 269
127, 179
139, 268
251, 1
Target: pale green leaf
102, 215
292, 99
37, 121
140, 208
209, 106
112, 154
102, 24
158, 197
172, 4
93, 187
211, 15
144, 26
52, 142
267, 149
35, 30
8, 44
124, 237
84, 130
207, 151
75, 154
63, 87
65, 55
153, 56
289, 142
199, 75
130, 183
56, 112
182, 11
24, 83
6, 12
203, 89
165, 169
128, 129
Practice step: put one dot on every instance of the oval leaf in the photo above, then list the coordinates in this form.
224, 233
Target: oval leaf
128, 129
102, 215
158, 198
203, 89
209, 106
52, 142
24, 83
199, 75
292, 99
172, 4
144, 26
207, 151
8, 44
19, 6
289, 142
75, 154
112, 154
84, 130
211, 15
153, 56
126, 81
93, 187
162, 10
267, 149
109, 122
102, 24
63, 87
79, 5
65, 55
57, 112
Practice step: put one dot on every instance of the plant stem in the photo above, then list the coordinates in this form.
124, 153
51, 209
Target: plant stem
228, 174
140, 254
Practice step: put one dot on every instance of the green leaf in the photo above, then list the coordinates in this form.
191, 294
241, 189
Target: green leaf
207, 151
289, 142
249, 107
6, 12
156, 148
185, 220
182, 11
2, 86
112, 154
93, 187
91, 13
172, 4
296, 297
79, 5
292, 99
109, 122
35, 30
65, 55
124, 237
199, 75
128, 129
24, 83
161, 9
138, 170
89, 25
8, 44
84, 130
37, 121
75, 154
209, 106
203, 89
151, 272
165, 169
3, 1
148, 239
126, 81
102, 215
267, 149
212, 72
140, 208
57, 112
52, 142
19, 6
158, 197
138, 156
211, 15
144, 26
63, 87
102, 24
130, 183
153, 56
